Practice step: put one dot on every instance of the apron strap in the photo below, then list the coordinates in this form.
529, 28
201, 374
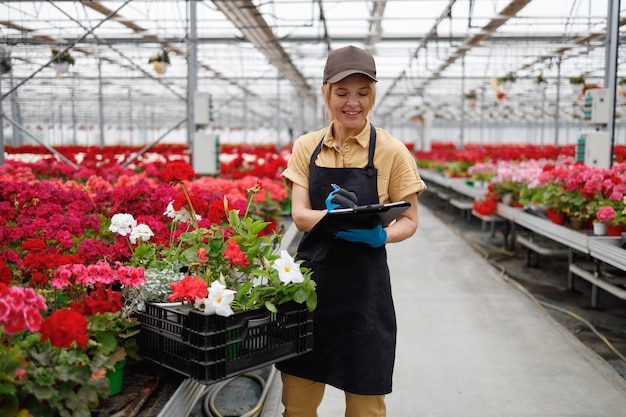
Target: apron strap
371, 170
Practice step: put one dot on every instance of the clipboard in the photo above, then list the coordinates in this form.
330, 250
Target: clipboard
359, 215
385, 212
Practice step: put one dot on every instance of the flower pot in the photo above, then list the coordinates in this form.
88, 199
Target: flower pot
614, 229
160, 67
577, 222
62, 67
554, 216
599, 229
116, 378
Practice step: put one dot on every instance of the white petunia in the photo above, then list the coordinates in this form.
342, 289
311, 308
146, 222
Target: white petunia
122, 223
218, 301
141, 232
288, 269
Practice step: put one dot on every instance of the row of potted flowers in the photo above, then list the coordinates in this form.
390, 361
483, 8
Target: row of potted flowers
236, 161
81, 253
561, 189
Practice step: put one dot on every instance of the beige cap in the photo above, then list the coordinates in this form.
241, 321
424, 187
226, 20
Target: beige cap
347, 61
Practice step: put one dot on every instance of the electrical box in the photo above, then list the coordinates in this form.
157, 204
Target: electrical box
597, 145
205, 154
201, 109
596, 106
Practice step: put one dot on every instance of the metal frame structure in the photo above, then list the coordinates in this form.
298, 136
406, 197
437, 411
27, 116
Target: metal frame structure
261, 62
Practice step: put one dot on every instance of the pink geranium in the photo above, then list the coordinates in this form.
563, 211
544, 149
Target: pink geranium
606, 214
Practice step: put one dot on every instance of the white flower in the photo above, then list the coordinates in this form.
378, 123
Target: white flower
288, 269
142, 231
218, 301
122, 223
181, 215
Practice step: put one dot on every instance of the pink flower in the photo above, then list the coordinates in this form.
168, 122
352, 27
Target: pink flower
606, 214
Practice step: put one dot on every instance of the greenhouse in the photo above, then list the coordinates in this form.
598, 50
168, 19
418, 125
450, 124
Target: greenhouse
209, 208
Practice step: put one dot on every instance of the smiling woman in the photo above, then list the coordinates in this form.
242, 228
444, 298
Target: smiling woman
354, 328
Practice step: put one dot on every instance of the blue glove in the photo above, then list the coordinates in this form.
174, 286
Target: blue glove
340, 198
375, 237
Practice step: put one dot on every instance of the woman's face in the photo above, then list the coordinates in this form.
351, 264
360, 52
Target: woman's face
350, 101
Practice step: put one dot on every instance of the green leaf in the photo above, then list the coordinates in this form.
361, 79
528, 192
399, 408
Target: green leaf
301, 296
271, 307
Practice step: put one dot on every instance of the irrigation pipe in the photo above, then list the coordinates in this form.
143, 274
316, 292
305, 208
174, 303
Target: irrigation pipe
484, 249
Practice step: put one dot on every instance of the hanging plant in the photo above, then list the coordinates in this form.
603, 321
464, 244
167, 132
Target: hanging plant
577, 80
510, 77
160, 61
61, 61
471, 95
163, 56
64, 57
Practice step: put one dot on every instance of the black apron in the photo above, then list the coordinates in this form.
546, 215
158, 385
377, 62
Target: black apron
354, 336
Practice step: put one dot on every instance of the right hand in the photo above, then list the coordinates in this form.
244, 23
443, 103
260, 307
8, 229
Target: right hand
340, 198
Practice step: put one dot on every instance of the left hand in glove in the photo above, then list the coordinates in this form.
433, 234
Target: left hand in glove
375, 237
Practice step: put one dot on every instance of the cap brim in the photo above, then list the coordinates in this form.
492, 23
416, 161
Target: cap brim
338, 77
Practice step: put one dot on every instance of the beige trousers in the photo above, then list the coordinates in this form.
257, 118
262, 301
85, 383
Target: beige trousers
301, 397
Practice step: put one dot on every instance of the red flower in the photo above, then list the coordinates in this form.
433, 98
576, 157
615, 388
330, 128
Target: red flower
5, 273
234, 254
217, 214
198, 203
99, 301
64, 327
188, 289
178, 171
201, 253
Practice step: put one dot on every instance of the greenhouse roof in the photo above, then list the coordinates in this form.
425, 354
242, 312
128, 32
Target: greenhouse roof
261, 61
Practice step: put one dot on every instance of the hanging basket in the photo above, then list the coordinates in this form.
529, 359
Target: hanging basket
160, 67
62, 67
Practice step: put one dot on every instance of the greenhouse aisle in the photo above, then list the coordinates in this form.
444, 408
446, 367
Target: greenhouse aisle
472, 344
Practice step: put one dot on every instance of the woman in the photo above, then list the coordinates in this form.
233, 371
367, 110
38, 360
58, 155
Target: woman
354, 333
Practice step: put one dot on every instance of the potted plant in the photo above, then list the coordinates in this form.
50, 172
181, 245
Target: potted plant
471, 95
62, 61
540, 83
577, 83
577, 80
508, 78
506, 82
160, 61
576, 209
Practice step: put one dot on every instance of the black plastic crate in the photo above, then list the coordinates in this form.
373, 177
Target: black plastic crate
211, 348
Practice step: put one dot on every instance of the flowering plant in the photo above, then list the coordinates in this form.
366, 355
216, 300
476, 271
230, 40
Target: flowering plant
46, 366
222, 264
613, 212
606, 214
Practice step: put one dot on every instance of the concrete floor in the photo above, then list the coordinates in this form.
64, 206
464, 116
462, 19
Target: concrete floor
470, 343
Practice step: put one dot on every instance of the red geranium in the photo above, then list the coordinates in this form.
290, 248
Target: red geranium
234, 254
188, 289
217, 213
63, 327
178, 171
100, 300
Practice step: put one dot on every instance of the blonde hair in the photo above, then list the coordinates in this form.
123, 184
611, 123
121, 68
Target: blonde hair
326, 90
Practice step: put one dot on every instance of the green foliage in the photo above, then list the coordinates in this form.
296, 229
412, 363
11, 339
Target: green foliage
64, 57
60, 382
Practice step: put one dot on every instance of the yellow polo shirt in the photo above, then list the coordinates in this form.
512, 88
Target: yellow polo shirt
397, 170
